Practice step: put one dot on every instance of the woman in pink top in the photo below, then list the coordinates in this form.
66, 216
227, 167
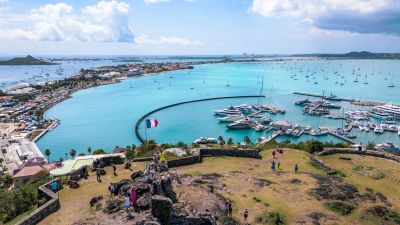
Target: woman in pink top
133, 195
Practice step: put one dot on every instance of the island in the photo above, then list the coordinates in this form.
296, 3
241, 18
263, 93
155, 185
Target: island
28, 60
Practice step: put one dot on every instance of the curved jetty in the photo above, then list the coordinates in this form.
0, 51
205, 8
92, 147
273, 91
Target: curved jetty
181, 103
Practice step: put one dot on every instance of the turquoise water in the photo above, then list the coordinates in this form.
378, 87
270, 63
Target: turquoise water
104, 117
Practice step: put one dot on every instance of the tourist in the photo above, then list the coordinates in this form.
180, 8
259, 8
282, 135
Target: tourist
296, 168
133, 195
111, 188
114, 167
273, 154
278, 165
162, 156
127, 203
273, 166
177, 176
229, 208
245, 216
128, 164
98, 175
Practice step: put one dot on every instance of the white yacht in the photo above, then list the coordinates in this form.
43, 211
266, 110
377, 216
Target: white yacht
245, 123
392, 110
205, 140
228, 111
231, 118
378, 130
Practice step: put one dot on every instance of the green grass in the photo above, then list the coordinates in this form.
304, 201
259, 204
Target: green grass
340, 207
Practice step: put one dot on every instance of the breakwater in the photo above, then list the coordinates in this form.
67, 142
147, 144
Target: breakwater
137, 125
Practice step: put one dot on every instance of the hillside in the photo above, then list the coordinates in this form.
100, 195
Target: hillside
28, 60
365, 193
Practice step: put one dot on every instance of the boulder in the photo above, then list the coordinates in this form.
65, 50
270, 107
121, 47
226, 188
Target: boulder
96, 199
120, 184
145, 219
144, 202
136, 174
163, 167
161, 208
113, 206
166, 186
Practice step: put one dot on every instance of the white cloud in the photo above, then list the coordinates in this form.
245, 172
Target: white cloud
103, 22
170, 40
155, 1
3, 1
361, 16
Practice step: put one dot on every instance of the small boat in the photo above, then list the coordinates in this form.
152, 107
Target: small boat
205, 140
332, 97
245, 123
378, 130
259, 127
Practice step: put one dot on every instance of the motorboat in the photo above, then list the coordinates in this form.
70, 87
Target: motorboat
259, 127
264, 120
332, 97
205, 140
392, 110
231, 118
378, 130
228, 111
245, 123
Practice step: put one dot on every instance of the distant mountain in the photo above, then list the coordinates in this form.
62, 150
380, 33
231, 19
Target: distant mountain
354, 55
28, 60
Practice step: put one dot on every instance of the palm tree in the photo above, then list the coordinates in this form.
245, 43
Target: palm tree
89, 150
66, 156
72, 153
247, 140
221, 141
47, 152
61, 159
229, 142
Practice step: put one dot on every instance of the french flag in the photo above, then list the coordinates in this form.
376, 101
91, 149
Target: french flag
151, 123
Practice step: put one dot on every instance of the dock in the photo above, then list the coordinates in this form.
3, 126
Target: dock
272, 137
53, 123
353, 101
342, 137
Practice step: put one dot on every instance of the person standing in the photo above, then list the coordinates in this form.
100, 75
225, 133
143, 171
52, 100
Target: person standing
273, 166
114, 169
296, 168
278, 165
133, 195
98, 175
127, 203
162, 156
273, 154
245, 216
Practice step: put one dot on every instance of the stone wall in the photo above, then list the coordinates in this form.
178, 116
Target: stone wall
244, 153
52, 204
330, 151
184, 161
318, 163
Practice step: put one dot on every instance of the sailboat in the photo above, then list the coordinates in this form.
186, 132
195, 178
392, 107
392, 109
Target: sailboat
391, 85
227, 84
130, 83
365, 81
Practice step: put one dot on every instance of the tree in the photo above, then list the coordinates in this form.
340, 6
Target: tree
89, 150
229, 142
47, 152
61, 159
99, 152
181, 144
81, 154
72, 153
130, 154
221, 141
247, 140
316, 146
370, 146
66, 156
133, 146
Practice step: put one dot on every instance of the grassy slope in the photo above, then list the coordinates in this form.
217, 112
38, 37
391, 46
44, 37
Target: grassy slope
362, 179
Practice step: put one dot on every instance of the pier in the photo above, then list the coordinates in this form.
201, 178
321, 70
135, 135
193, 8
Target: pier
53, 123
272, 137
353, 101
138, 135
342, 137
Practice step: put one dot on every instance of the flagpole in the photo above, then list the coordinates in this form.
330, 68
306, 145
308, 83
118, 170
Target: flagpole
145, 132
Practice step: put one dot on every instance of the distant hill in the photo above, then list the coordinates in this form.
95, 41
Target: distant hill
28, 60
354, 55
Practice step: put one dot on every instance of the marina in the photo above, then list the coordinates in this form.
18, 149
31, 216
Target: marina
197, 119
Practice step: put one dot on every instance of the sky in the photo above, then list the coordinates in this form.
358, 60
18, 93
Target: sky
198, 27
